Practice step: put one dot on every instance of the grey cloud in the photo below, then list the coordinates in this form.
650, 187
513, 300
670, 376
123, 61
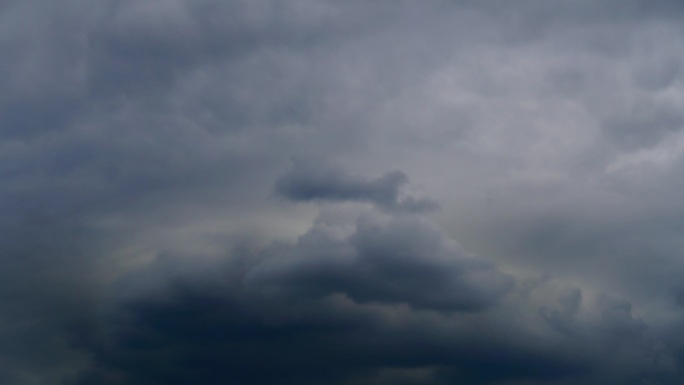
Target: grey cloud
50, 282
549, 133
210, 325
626, 125
405, 260
196, 336
316, 182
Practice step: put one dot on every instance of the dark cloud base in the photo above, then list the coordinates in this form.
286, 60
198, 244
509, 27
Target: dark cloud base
313, 180
191, 336
390, 301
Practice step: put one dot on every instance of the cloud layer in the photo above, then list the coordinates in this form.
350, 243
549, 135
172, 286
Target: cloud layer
304, 192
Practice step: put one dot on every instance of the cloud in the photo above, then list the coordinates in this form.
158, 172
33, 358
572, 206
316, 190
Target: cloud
316, 182
173, 323
192, 336
401, 261
550, 135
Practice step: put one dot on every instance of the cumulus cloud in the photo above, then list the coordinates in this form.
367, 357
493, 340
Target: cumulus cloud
400, 261
298, 323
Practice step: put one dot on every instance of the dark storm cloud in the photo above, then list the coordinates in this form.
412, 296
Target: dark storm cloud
98, 144
403, 261
108, 105
550, 133
172, 324
316, 182
191, 335
211, 325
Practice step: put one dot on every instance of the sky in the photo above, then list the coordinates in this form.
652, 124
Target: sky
267, 192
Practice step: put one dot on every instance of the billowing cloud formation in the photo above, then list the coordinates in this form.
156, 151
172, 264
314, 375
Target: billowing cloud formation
154, 228
189, 335
288, 317
405, 261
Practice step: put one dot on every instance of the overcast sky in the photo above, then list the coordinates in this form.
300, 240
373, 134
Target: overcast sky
362, 192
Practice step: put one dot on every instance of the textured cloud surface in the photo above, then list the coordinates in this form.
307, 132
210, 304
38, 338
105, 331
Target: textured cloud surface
403, 261
314, 183
315, 191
